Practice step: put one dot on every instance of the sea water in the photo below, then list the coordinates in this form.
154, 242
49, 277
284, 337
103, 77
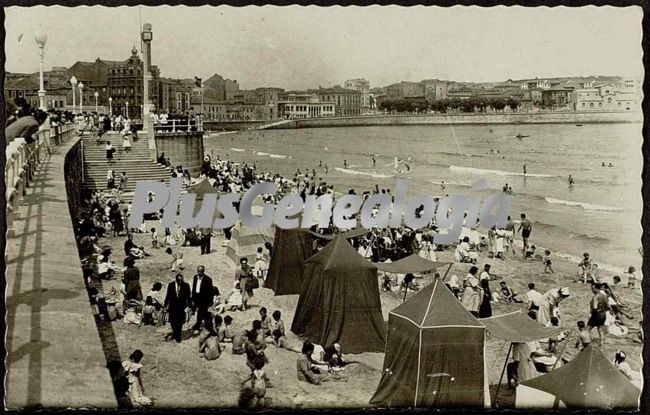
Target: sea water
599, 214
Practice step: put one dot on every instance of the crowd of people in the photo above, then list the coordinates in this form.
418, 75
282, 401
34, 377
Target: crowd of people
178, 302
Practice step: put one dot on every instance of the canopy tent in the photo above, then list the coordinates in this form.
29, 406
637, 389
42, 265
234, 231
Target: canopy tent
590, 380
516, 327
434, 354
411, 263
292, 247
339, 300
244, 240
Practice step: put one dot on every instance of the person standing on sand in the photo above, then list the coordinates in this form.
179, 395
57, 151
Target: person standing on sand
550, 304
598, 308
526, 228
176, 301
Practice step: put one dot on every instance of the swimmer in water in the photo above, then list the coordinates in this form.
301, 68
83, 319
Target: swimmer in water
570, 180
326, 169
603, 164
524, 169
345, 164
320, 163
442, 185
610, 165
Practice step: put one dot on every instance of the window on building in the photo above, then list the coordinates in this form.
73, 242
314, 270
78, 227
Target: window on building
591, 104
609, 100
619, 105
583, 105
600, 104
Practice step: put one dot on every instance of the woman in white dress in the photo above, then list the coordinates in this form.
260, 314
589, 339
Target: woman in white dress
136, 390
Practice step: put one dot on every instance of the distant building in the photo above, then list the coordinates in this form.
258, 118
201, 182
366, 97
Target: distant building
301, 104
363, 86
556, 97
435, 90
405, 90
126, 83
175, 95
460, 92
605, 97
347, 101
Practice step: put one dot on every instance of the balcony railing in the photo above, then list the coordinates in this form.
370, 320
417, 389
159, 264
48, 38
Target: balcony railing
178, 125
22, 160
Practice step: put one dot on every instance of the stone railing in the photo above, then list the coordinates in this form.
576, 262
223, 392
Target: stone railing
22, 160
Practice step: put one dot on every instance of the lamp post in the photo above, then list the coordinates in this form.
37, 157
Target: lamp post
73, 82
81, 97
41, 40
110, 106
96, 100
127, 109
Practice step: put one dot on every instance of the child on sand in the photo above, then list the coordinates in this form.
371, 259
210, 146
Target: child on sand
584, 338
631, 278
548, 265
235, 301
154, 238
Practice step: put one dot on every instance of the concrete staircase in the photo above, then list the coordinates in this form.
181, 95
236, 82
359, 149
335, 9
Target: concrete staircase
137, 163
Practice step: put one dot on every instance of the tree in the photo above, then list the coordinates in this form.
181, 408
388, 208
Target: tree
513, 103
499, 104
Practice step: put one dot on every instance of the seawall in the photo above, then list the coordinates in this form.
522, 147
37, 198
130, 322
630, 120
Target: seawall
467, 118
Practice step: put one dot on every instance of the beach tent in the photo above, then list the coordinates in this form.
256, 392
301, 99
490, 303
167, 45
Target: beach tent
339, 300
245, 240
412, 263
589, 381
292, 247
434, 354
516, 327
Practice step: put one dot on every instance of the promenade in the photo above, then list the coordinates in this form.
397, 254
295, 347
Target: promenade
55, 358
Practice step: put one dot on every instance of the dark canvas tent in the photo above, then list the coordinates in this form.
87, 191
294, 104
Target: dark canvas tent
434, 354
292, 247
245, 240
339, 300
590, 380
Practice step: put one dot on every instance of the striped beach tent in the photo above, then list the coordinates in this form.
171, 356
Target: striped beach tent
245, 240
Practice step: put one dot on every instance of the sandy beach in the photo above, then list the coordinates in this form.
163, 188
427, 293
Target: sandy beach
175, 375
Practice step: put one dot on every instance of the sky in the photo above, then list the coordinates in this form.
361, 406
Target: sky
298, 47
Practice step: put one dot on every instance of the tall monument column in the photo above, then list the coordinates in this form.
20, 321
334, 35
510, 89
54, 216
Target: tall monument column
147, 105
147, 37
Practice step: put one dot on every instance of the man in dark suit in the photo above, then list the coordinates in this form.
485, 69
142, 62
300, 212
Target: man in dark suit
202, 296
176, 301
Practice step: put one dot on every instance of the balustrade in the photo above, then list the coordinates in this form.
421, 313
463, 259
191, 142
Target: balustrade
22, 159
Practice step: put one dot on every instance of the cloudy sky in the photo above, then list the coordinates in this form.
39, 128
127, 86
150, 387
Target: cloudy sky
302, 47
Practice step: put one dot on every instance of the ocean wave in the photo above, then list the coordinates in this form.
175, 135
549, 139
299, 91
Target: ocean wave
584, 205
447, 183
237, 149
259, 153
278, 156
363, 173
495, 172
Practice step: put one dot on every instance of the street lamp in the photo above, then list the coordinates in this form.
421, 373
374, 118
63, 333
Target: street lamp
41, 40
127, 109
81, 97
73, 82
96, 98
110, 106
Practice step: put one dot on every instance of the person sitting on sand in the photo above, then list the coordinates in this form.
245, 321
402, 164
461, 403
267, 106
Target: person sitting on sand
463, 252
235, 301
508, 294
277, 323
224, 333
281, 341
239, 342
623, 366
266, 322
260, 343
209, 342
307, 372
252, 351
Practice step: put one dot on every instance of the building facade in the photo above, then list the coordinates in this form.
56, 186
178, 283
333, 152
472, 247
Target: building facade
297, 104
363, 86
608, 97
125, 84
347, 102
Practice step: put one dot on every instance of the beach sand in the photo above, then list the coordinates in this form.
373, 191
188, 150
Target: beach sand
175, 375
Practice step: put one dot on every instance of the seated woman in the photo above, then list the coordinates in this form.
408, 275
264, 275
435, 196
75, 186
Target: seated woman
464, 253
235, 300
209, 342
307, 372
334, 357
